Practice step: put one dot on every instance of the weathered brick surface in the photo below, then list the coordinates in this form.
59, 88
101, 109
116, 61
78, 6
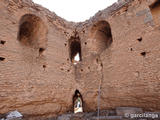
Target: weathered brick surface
127, 69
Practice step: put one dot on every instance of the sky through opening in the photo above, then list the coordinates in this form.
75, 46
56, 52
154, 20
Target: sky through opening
75, 10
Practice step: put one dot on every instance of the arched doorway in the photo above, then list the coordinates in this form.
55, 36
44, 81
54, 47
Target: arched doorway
77, 102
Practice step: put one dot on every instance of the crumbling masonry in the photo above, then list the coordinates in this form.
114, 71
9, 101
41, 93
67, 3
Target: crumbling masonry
119, 51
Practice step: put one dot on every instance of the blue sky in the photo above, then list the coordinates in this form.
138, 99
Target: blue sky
75, 10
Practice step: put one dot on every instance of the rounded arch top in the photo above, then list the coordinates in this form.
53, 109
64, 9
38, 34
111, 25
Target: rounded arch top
32, 31
101, 36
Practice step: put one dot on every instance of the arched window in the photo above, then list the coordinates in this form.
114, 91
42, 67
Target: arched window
75, 49
101, 36
32, 32
77, 102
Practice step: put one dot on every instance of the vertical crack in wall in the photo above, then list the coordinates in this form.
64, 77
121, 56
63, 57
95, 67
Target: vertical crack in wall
100, 87
101, 36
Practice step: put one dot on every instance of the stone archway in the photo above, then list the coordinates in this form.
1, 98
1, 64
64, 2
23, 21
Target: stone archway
77, 102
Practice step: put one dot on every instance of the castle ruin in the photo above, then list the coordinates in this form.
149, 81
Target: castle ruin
119, 58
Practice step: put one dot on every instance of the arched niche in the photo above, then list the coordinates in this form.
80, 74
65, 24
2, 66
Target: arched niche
32, 32
155, 11
77, 102
101, 36
75, 49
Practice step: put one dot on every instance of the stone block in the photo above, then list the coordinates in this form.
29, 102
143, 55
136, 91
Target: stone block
14, 115
123, 111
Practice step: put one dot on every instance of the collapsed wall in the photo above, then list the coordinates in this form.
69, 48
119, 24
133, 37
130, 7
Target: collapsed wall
118, 49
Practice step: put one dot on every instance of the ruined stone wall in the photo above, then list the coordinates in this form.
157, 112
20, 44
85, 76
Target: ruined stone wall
119, 55
35, 75
129, 68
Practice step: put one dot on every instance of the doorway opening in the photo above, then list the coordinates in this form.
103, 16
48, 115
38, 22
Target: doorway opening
77, 102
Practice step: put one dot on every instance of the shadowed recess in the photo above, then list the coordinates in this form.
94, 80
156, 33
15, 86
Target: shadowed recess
101, 36
155, 10
156, 4
2, 58
75, 49
2, 42
32, 31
